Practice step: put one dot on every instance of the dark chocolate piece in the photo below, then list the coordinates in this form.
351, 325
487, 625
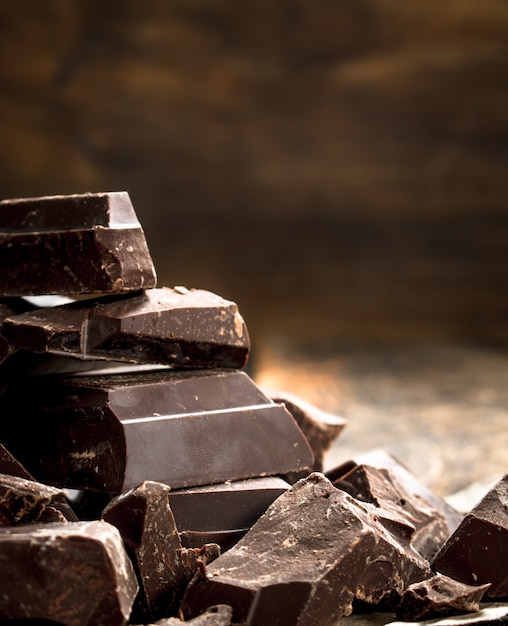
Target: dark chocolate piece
229, 505
25, 501
76, 244
76, 574
382, 488
10, 465
181, 428
477, 552
384, 460
305, 560
224, 512
438, 596
319, 427
14, 361
178, 327
144, 518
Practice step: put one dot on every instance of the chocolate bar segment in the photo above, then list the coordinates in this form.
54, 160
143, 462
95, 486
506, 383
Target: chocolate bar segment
181, 428
224, 512
225, 506
76, 244
177, 327
477, 552
145, 520
305, 560
76, 574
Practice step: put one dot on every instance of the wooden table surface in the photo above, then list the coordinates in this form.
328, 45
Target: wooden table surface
441, 409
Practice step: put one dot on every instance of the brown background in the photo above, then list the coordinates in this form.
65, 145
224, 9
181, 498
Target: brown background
338, 168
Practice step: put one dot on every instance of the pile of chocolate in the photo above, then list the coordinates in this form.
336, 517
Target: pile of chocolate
146, 478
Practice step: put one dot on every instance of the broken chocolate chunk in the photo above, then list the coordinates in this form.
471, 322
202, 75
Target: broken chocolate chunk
177, 327
382, 488
319, 427
76, 244
145, 520
305, 560
25, 501
183, 428
385, 461
76, 574
477, 552
438, 596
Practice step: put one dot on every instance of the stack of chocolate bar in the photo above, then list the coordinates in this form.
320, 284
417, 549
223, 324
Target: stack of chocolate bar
145, 476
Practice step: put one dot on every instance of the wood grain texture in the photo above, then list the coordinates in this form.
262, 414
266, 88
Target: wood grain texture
334, 167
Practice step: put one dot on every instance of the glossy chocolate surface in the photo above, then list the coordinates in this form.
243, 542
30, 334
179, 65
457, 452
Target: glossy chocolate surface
181, 428
225, 506
77, 244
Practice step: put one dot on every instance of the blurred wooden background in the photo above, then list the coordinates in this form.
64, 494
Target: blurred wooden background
338, 168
